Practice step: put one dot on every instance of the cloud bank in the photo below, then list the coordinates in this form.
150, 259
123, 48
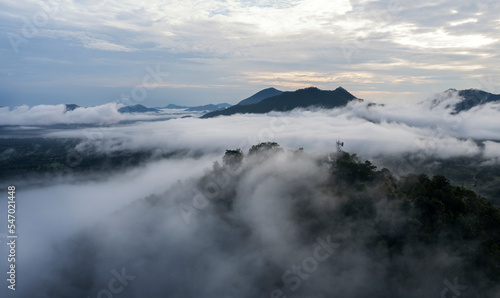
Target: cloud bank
45, 115
428, 129
271, 229
84, 234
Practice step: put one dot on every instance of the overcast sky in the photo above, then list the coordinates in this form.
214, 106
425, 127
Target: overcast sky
187, 52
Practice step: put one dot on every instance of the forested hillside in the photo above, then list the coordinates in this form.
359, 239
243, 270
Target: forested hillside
254, 226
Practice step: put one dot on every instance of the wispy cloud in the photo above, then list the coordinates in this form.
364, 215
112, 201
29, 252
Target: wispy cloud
408, 128
442, 39
97, 44
86, 40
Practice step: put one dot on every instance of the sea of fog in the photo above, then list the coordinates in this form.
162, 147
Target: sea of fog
51, 216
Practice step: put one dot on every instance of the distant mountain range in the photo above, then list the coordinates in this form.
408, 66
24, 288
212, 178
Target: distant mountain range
209, 107
176, 107
205, 108
271, 99
289, 100
136, 109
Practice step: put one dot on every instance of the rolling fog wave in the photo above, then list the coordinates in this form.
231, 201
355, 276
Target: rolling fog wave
74, 238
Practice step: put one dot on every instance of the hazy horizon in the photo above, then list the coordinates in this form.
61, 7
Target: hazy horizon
131, 102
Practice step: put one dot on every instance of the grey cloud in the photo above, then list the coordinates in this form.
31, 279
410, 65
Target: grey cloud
390, 129
368, 32
241, 247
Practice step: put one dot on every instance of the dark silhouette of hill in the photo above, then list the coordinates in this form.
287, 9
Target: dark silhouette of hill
71, 107
412, 237
172, 106
259, 96
136, 109
289, 100
473, 98
208, 107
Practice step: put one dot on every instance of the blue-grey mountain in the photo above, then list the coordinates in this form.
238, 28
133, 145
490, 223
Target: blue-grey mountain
289, 100
473, 98
259, 96
172, 106
136, 109
209, 107
71, 107
204, 108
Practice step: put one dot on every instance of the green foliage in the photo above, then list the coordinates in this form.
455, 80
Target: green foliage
457, 214
351, 170
437, 212
232, 157
41, 156
470, 172
265, 147
384, 217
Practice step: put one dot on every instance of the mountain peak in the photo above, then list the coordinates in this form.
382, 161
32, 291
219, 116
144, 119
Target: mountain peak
71, 107
467, 99
287, 101
473, 98
138, 108
270, 89
259, 96
312, 88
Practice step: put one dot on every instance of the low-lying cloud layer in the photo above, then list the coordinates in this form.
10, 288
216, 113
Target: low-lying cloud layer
99, 115
49, 215
57, 114
428, 129
244, 233
78, 237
